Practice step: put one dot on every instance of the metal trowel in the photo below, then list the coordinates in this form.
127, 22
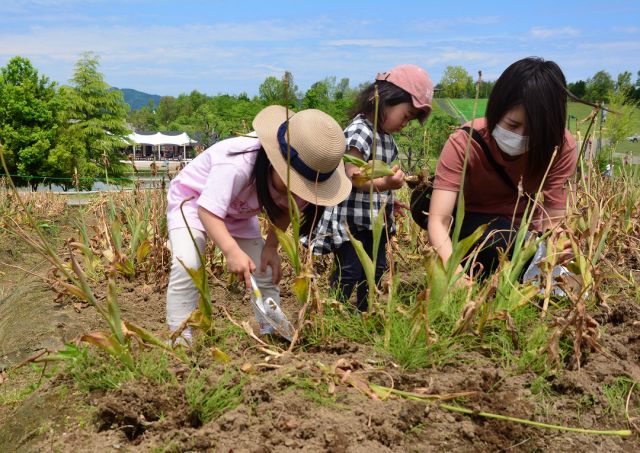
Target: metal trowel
271, 312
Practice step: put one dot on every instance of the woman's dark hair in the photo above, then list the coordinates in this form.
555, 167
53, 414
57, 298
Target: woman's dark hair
540, 87
389, 95
260, 176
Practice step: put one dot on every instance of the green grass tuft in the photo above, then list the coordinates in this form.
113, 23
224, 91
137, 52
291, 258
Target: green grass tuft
208, 400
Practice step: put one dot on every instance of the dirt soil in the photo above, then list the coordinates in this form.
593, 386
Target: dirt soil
288, 402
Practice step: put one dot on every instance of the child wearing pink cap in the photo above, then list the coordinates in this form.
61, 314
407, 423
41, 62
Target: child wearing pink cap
405, 93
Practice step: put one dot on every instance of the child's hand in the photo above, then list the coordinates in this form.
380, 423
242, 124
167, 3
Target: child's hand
396, 180
400, 208
270, 257
240, 264
464, 281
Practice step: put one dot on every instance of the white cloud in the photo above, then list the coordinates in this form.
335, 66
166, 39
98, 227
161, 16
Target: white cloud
369, 43
612, 46
432, 26
627, 30
219, 57
544, 33
479, 20
271, 68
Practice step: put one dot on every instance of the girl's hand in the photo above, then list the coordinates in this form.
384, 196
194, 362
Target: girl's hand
270, 257
240, 264
400, 208
395, 181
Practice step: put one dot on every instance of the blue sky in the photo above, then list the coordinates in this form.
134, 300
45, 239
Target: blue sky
168, 48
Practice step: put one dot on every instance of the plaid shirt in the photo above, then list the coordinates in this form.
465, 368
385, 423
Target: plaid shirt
355, 210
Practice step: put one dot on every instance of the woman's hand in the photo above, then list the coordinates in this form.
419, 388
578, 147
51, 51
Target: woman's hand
439, 221
240, 264
563, 250
271, 257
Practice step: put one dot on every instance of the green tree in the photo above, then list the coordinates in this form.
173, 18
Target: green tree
624, 86
167, 111
271, 91
144, 119
618, 126
95, 125
485, 88
578, 88
636, 88
419, 146
599, 87
28, 122
456, 82
333, 98
317, 96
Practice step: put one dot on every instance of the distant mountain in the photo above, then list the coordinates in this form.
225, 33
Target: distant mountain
137, 99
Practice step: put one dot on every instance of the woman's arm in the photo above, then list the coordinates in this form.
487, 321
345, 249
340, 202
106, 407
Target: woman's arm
551, 218
439, 221
393, 182
238, 262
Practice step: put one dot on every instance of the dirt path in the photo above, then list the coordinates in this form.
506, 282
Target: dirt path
29, 320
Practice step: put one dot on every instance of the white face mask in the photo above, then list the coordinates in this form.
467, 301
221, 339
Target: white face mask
509, 142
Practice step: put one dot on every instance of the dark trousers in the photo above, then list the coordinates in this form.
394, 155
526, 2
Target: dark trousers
502, 234
349, 273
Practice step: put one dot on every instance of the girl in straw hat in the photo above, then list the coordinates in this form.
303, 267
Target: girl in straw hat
405, 93
228, 185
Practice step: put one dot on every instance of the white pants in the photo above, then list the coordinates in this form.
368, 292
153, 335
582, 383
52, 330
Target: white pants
182, 294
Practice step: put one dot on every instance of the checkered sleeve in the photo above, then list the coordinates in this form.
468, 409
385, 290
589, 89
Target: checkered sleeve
360, 136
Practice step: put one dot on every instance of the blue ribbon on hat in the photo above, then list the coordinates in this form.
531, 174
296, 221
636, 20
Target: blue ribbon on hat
296, 161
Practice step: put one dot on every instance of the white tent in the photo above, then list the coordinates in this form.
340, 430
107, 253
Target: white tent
159, 138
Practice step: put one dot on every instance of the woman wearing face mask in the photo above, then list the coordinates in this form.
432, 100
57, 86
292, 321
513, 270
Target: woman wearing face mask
524, 124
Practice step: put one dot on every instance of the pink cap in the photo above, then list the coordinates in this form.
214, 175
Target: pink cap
415, 81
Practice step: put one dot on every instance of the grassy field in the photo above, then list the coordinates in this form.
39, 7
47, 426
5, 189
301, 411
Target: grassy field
575, 110
465, 107
577, 113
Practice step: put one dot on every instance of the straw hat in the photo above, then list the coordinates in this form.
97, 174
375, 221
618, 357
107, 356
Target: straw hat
317, 145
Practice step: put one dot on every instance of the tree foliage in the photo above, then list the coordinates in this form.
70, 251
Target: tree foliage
272, 91
144, 119
94, 125
599, 87
456, 82
28, 121
578, 88
331, 97
79, 130
419, 146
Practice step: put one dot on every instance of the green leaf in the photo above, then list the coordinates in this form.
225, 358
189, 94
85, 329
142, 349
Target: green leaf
300, 288
199, 278
349, 159
146, 336
290, 248
115, 322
